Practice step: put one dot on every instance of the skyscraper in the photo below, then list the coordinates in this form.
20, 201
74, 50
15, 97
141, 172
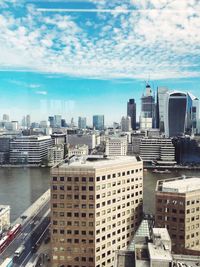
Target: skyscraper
126, 124
81, 122
176, 114
57, 120
51, 121
96, 207
131, 112
98, 122
161, 108
28, 121
148, 110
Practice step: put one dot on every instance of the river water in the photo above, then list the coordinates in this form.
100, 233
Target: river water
20, 187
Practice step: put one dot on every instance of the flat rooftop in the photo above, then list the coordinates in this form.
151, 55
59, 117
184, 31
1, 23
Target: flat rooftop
181, 185
98, 161
159, 253
4, 208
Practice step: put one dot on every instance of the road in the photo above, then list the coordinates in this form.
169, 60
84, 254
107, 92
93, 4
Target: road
33, 228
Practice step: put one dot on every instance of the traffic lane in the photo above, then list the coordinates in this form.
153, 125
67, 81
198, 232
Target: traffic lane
31, 244
9, 251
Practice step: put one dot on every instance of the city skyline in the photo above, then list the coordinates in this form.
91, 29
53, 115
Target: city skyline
59, 57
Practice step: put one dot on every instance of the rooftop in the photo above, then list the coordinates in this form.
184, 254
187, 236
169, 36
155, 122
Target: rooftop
182, 185
4, 208
98, 161
158, 253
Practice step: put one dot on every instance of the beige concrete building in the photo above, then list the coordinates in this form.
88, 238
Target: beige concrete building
116, 146
96, 206
178, 209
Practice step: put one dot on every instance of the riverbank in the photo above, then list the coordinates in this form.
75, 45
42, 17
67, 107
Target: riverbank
177, 167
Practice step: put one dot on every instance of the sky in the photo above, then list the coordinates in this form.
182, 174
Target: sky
79, 58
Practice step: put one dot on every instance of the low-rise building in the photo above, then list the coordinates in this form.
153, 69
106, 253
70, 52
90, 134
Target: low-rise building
116, 146
79, 150
29, 149
4, 217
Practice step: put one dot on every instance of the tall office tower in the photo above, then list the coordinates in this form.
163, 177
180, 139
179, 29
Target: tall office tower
24, 121
194, 113
5, 117
28, 121
176, 114
126, 124
51, 121
96, 206
57, 120
131, 112
162, 97
177, 209
98, 122
63, 123
81, 122
148, 110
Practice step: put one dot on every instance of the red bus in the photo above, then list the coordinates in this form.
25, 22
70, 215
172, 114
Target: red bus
3, 243
14, 231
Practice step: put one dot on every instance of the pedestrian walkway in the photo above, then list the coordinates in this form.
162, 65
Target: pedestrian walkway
34, 208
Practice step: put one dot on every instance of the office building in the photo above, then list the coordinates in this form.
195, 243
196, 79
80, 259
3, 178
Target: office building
59, 138
96, 206
57, 121
28, 121
126, 124
81, 123
78, 150
116, 146
98, 122
4, 218
131, 112
55, 154
29, 149
161, 113
160, 149
148, 110
5, 117
51, 121
83, 139
178, 210
194, 114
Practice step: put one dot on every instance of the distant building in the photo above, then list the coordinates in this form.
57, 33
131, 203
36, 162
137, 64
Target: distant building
98, 122
126, 124
28, 121
55, 154
82, 123
78, 150
4, 217
59, 138
160, 149
131, 112
82, 139
161, 107
29, 149
5, 117
178, 210
148, 110
96, 206
116, 146
57, 121
51, 121
63, 123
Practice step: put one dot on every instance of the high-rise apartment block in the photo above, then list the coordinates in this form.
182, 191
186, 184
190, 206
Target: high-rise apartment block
178, 210
98, 122
131, 112
96, 206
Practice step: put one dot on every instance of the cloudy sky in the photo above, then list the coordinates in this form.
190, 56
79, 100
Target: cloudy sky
89, 57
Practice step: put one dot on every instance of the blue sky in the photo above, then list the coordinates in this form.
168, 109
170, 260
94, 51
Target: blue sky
79, 58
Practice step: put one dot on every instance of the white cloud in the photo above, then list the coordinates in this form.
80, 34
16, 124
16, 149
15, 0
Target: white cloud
160, 37
41, 92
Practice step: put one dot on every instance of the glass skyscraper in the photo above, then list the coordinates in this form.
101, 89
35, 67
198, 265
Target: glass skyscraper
98, 122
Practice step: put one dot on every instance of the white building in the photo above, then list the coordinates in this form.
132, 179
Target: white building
116, 146
126, 124
29, 149
4, 217
82, 139
55, 154
79, 150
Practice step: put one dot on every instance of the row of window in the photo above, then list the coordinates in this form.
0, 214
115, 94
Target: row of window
75, 223
74, 188
71, 197
70, 232
115, 175
75, 179
109, 185
73, 215
69, 258
75, 206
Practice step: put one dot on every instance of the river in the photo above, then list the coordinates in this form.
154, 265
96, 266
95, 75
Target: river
20, 187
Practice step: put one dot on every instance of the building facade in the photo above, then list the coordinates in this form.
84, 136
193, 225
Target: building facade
29, 149
96, 206
131, 112
4, 217
82, 123
178, 210
98, 122
126, 124
116, 146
